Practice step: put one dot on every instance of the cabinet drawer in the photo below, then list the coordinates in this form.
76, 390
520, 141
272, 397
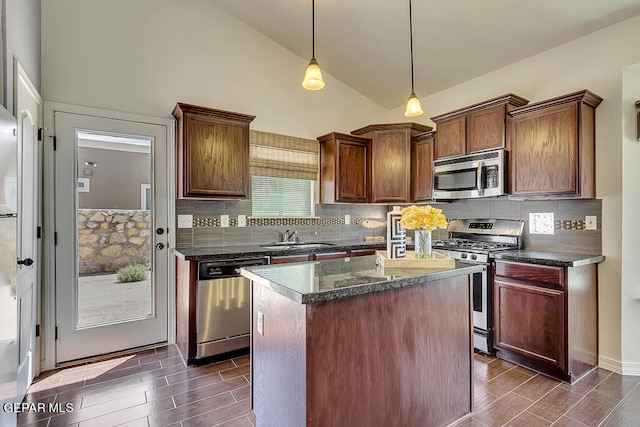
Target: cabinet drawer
284, 259
531, 273
329, 255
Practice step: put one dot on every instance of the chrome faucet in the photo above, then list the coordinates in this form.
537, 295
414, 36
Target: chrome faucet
288, 237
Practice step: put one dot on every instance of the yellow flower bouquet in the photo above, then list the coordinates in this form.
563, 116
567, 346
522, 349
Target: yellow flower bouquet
422, 219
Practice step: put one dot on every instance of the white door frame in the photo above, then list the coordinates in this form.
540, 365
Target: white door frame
48, 328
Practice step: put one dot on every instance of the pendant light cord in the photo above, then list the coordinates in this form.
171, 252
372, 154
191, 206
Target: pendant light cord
313, 28
411, 44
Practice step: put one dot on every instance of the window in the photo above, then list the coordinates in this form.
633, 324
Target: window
274, 197
283, 172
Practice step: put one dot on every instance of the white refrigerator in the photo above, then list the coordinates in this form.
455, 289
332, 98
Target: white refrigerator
8, 264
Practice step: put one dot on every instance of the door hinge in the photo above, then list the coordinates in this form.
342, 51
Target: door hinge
55, 143
41, 132
56, 332
55, 238
39, 232
37, 331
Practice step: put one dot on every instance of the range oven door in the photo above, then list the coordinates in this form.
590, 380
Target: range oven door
478, 175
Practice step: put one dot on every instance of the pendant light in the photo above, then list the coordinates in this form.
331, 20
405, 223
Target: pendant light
413, 104
313, 76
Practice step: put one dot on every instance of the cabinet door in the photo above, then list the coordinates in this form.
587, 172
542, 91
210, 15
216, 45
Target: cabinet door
285, 259
215, 157
352, 172
486, 129
543, 155
391, 166
451, 138
422, 169
530, 321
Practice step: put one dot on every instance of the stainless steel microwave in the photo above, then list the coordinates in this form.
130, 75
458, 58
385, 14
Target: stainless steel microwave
471, 176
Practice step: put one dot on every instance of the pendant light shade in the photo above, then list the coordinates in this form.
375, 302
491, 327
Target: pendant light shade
313, 76
413, 104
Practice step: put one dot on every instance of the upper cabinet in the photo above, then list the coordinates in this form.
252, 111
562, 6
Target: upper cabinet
552, 147
422, 166
391, 159
479, 127
344, 168
213, 153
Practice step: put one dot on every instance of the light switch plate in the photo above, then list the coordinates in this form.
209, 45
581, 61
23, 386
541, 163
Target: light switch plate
260, 325
242, 220
541, 223
185, 221
591, 222
224, 220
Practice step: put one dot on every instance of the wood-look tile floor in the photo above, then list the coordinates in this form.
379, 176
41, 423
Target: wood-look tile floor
154, 388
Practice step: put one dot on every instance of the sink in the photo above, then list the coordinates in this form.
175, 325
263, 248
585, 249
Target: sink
289, 246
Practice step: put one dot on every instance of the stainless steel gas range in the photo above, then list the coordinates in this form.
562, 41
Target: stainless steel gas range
475, 241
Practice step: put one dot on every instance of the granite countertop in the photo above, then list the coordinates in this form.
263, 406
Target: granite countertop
556, 259
218, 252
318, 281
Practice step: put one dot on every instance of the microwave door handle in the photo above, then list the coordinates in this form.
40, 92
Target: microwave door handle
479, 178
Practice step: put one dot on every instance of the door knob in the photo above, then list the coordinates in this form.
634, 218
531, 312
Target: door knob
27, 262
159, 246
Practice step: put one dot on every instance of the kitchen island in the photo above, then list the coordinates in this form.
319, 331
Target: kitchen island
342, 342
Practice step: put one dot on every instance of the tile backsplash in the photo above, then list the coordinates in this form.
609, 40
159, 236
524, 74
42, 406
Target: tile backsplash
569, 235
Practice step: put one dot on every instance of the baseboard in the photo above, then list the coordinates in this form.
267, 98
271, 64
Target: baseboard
622, 368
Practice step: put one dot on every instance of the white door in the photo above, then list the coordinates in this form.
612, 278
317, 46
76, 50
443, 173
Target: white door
28, 110
111, 209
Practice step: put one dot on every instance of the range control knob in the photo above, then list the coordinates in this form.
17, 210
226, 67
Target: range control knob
463, 255
474, 257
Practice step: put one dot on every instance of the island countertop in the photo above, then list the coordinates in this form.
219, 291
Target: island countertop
318, 281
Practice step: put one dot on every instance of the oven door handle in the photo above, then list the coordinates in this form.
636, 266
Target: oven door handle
479, 178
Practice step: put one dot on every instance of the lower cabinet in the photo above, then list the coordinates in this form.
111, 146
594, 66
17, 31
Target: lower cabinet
546, 317
284, 259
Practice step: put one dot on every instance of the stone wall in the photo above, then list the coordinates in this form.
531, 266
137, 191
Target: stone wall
110, 239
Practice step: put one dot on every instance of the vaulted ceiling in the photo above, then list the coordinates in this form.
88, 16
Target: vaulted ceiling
365, 43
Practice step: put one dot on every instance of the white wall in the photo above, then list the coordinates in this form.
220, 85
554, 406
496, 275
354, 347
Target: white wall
630, 217
143, 56
593, 62
22, 36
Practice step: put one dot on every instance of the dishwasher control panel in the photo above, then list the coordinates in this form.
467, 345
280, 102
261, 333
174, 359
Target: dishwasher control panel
227, 267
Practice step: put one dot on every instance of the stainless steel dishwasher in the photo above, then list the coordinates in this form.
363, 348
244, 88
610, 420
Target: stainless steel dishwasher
223, 304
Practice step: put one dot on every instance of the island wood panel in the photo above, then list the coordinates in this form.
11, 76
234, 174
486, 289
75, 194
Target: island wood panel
278, 360
186, 276
398, 357
486, 129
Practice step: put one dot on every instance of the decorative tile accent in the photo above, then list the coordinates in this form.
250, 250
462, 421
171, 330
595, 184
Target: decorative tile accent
277, 222
570, 224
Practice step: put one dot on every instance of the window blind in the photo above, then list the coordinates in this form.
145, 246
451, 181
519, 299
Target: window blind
274, 196
283, 156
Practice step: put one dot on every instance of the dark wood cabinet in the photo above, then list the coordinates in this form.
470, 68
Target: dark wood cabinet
329, 255
344, 168
391, 159
213, 153
186, 277
476, 128
545, 317
284, 259
422, 167
552, 147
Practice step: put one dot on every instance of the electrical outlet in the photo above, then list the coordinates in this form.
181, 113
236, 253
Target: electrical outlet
541, 223
242, 220
185, 221
590, 222
260, 325
224, 220
347, 219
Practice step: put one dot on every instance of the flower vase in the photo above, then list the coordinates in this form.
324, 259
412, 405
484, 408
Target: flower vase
422, 243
